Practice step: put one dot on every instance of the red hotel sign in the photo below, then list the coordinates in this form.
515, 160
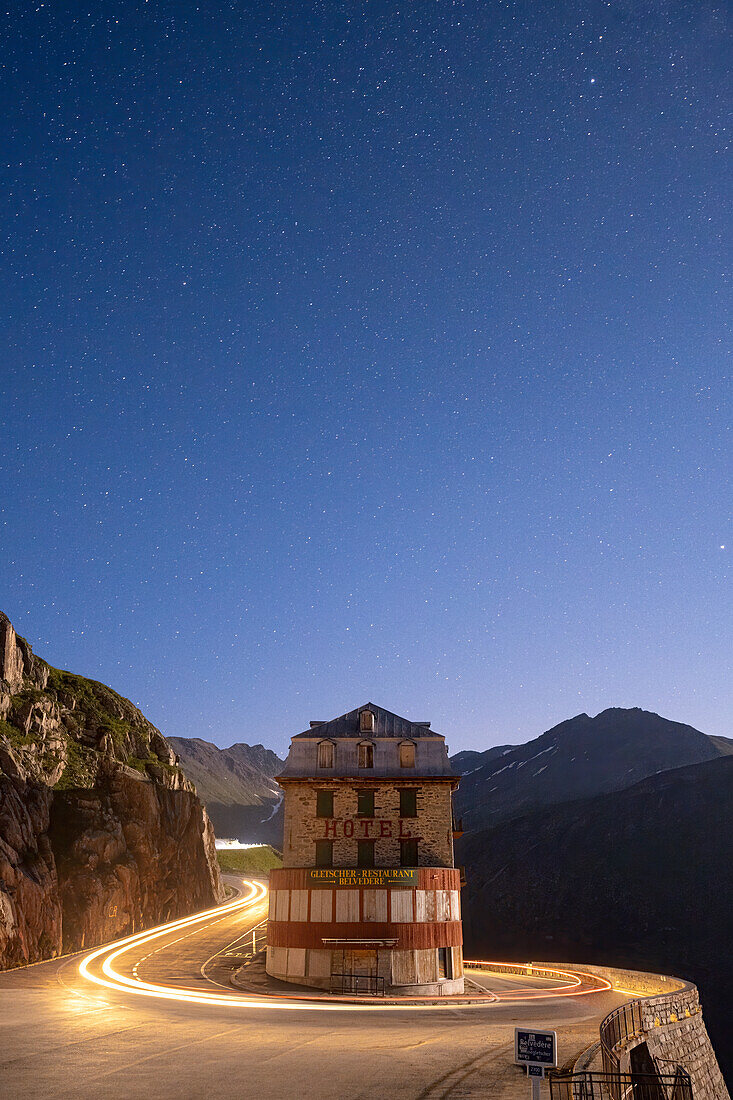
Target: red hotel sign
365, 828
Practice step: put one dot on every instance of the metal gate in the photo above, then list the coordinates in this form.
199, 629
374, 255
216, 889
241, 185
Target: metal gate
354, 970
621, 1086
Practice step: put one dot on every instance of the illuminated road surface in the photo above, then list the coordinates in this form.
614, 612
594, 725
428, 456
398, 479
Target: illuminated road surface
65, 1035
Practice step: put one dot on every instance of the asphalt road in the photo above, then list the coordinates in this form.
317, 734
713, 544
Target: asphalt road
63, 1037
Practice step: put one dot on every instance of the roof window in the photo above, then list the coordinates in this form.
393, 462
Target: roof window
407, 754
326, 754
366, 754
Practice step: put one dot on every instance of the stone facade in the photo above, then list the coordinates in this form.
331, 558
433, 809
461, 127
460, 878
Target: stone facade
432, 827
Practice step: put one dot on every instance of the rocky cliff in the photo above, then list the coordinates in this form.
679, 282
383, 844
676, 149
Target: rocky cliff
100, 832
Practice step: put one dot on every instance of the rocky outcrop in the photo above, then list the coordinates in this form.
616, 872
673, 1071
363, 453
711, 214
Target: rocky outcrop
129, 854
30, 905
100, 831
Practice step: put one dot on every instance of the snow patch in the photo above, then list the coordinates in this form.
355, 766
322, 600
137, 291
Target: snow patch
505, 768
540, 753
274, 808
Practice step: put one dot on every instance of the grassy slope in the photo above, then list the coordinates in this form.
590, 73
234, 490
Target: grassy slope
256, 860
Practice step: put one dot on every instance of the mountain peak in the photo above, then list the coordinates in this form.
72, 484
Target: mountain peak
578, 758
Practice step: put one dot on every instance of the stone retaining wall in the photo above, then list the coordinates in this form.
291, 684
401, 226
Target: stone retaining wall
675, 1032
672, 1026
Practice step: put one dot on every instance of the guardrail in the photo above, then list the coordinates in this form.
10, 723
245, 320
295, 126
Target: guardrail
589, 1085
357, 983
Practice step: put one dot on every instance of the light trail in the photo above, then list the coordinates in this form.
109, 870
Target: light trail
597, 984
252, 903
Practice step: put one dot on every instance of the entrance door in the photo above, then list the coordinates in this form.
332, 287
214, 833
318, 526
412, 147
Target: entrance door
359, 969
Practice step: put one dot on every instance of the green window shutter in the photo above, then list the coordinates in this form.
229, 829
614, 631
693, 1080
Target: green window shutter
408, 802
365, 853
324, 803
365, 803
324, 853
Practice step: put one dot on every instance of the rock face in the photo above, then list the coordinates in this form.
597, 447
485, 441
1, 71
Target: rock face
101, 834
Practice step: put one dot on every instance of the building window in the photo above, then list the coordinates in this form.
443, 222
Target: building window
324, 853
324, 803
365, 853
408, 853
366, 754
326, 754
365, 803
445, 962
408, 802
407, 754
366, 721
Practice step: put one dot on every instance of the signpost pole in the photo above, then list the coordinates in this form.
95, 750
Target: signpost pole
535, 1073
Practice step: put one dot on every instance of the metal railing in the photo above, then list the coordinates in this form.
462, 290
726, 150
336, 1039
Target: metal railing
621, 1086
358, 983
622, 1024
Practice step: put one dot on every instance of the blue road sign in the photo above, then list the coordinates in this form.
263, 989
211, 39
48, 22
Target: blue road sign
537, 1048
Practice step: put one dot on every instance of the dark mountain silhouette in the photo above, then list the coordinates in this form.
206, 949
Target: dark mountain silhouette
580, 757
463, 763
640, 878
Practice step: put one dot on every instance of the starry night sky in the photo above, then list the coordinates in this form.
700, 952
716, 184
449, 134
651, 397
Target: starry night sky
369, 351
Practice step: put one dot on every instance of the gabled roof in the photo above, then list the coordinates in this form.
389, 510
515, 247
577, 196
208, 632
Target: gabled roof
386, 724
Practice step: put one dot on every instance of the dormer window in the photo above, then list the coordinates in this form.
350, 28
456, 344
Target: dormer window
366, 721
326, 754
366, 754
407, 754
